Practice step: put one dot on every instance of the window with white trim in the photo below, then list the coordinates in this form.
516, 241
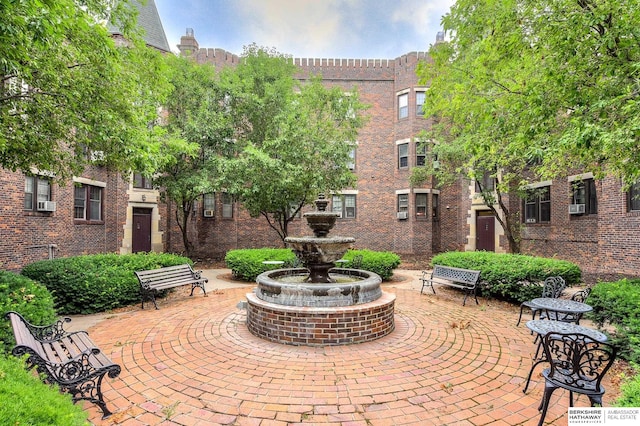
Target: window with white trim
209, 204
403, 203
36, 188
420, 98
421, 205
87, 203
403, 105
344, 205
403, 155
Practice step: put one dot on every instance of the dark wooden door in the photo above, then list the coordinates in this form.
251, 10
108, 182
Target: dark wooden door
141, 230
485, 232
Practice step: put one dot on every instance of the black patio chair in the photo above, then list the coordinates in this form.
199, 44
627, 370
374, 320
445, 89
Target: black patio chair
577, 363
553, 287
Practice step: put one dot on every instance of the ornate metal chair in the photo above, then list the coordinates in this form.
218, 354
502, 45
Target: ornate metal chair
553, 287
577, 363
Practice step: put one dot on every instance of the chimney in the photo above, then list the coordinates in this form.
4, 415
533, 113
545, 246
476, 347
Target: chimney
188, 43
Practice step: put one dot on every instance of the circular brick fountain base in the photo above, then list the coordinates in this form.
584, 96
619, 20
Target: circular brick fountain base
320, 326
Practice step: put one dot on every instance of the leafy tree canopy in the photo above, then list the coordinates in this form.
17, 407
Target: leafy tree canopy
293, 140
548, 86
67, 90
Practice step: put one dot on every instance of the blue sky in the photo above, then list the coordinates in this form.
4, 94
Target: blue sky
308, 28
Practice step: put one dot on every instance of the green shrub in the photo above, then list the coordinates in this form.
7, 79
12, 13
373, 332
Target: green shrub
513, 277
630, 391
23, 295
97, 283
618, 303
28, 401
381, 262
246, 264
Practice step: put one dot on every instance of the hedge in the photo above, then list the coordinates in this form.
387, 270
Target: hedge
96, 283
618, 303
246, 264
23, 295
513, 277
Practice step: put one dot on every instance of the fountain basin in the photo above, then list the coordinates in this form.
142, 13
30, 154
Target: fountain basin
309, 326
288, 287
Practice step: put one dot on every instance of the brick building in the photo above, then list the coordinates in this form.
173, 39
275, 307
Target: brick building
383, 212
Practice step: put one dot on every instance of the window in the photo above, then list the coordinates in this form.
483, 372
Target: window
36, 189
486, 183
584, 193
421, 153
344, 205
634, 197
403, 105
434, 206
403, 203
87, 203
403, 155
537, 205
420, 97
209, 204
227, 206
352, 162
421, 205
140, 181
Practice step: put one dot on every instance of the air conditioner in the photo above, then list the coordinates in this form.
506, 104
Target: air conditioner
576, 208
530, 220
403, 215
209, 213
436, 164
46, 206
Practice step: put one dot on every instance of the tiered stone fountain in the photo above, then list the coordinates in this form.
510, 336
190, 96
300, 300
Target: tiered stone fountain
320, 305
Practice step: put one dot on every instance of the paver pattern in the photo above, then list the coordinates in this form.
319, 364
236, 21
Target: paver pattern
193, 362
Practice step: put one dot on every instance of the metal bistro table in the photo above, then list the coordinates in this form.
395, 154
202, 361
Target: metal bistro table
542, 327
571, 308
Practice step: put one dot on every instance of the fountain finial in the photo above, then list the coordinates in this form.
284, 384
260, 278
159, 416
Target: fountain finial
321, 203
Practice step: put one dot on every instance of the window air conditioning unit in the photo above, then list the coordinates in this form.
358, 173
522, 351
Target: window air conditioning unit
46, 206
436, 164
209, 213
576, 208
403, 215
530, 220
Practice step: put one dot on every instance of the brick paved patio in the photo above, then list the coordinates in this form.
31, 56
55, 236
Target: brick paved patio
193, 362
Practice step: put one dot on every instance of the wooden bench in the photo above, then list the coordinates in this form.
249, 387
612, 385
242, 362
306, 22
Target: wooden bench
465, 279
70, 360
155, 280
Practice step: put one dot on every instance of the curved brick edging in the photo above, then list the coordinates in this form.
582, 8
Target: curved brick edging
310, 326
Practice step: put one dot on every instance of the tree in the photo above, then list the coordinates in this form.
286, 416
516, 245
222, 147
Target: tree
67, 90
293, 140
542, 87
200, 127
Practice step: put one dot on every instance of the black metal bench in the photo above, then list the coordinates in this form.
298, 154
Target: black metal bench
70, 360
465, 279
155, 280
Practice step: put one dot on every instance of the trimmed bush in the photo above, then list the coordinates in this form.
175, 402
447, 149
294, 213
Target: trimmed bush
381, 262
23, 295
97, 283
630, 391
513, 277
618, 303
246, 264
28, 401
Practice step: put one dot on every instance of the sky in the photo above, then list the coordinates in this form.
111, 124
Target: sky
358, 29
